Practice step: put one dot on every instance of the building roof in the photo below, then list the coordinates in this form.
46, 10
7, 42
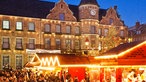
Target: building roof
34, 8
94, 2
121, 48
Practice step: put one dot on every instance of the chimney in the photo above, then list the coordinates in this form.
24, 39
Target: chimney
137, 24
115, 7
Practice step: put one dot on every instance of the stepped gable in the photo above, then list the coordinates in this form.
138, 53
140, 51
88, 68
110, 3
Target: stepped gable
34, 9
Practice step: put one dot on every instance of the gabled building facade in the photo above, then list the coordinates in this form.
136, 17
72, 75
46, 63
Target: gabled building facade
38, 26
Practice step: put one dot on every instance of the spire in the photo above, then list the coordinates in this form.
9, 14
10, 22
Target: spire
94, 2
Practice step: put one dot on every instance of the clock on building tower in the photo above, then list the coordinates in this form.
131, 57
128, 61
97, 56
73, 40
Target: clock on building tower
88, 9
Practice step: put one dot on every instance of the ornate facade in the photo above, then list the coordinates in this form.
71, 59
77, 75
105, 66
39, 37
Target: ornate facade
64, 28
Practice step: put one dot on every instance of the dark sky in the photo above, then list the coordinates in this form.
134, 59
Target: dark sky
131, 11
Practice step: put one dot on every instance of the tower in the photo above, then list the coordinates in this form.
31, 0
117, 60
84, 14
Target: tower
88, 9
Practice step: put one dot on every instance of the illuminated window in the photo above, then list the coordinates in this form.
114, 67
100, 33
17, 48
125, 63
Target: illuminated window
77, 30
105, 32
18, 61
61, 16
77, 44
68, 44
47, 28
31, 26
58, 43
6, 43
92, 30
31, 44
19, 43
5, 60
18, 25
6, 24
93, 43
47, 43
58, 29
68, 29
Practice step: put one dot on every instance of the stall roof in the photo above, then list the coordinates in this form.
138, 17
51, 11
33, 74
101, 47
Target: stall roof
121, 48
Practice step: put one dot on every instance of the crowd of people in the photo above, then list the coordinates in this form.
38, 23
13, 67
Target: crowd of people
30, 76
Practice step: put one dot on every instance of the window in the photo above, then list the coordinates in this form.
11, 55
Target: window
92, 30
61, 5
110, 21
77, 30
47, 43
105, 32
31, 26
77, 44
138, 32
18, 25
100, 31
68, 44
93, 43
121, 33
47, 28
31, 44
6, 24
19, 43
6, 44
61, 16
5, 60
68, 29
18, 62
58, 43
58, 29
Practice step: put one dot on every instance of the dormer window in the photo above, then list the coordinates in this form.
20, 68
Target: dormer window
61, 16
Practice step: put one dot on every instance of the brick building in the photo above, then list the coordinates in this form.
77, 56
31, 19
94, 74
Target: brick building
38, 26
137, 32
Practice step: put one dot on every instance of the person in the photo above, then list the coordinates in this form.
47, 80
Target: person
69, 78
131, 76
76, 79
87, 78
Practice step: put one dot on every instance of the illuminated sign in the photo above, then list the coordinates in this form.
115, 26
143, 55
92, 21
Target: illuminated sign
50, 61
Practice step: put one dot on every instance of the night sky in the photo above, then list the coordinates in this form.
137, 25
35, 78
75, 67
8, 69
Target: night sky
130, 11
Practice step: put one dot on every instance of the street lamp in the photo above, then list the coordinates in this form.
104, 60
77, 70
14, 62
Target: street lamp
87, 42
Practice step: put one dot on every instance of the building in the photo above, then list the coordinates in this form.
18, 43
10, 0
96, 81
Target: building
137, 32
40, 27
